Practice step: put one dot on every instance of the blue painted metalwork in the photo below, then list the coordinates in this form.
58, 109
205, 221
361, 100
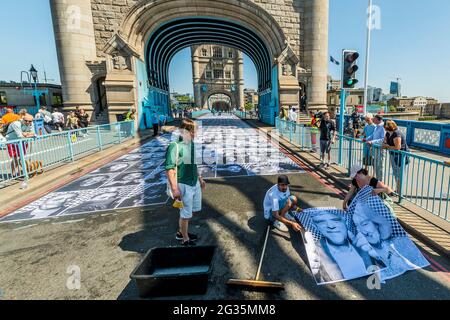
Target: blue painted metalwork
421, 134
422, 181
59, 148
177, 34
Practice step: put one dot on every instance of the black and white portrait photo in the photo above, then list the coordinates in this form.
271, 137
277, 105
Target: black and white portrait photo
335, 252
386, 237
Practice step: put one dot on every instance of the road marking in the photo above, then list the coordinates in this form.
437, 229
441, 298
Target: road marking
67, 222
25, 227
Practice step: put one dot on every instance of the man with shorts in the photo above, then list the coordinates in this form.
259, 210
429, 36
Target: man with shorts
19, 129
326, 139
185, 183
278, 204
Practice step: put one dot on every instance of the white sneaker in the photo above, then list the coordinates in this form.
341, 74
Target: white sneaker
280, 226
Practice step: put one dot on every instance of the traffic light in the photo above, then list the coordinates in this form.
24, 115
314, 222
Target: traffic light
350, 67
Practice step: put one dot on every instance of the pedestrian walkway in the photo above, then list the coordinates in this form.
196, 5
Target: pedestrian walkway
415, 220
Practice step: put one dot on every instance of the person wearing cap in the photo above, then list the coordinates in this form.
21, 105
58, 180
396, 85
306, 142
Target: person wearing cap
375, 141
360, 178
19, 129
278, 203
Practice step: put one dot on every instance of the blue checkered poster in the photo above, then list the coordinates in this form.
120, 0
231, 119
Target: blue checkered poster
367, 239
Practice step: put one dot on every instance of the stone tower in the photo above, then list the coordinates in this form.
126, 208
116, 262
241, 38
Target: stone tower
113, 54
217, 70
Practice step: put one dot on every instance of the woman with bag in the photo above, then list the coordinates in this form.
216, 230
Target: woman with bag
184, 184
395, 140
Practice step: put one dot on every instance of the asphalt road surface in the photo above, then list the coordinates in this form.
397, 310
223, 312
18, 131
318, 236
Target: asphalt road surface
39, 258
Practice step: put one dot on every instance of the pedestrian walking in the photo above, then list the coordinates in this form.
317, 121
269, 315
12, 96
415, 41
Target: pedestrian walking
155, 123
314, 130
327, 138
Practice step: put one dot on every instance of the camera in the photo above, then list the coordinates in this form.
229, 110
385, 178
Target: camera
318, 115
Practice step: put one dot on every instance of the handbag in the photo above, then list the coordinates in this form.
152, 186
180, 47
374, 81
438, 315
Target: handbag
168, 188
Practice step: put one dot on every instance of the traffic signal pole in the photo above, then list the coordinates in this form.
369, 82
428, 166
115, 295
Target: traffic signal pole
366, 79
341, 124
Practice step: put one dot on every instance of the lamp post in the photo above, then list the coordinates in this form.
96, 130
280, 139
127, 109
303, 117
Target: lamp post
35, 92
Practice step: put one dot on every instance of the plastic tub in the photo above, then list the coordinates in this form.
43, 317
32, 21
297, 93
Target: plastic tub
174, 271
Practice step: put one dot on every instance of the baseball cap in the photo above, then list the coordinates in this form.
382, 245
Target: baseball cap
283, 179
28, 117
354, 170
369, 115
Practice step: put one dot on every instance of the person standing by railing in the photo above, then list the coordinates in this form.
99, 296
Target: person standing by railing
17, 130
395, 140
369, 128
83, 120
375, 141
293, 118
314, 131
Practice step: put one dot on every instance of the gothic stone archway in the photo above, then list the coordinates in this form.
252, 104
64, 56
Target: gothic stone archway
126, 38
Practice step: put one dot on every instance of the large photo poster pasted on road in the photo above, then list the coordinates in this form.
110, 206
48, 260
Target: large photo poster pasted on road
366, 239
228, 148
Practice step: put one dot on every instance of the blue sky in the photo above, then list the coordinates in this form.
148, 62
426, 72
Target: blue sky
412, 44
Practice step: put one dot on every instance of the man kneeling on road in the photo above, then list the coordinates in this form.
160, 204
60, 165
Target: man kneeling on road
278, 204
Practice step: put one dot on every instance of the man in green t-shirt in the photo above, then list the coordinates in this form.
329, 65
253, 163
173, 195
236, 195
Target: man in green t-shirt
185, 183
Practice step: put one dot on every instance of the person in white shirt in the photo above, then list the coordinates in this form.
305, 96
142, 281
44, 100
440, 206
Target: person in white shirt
58, 119
278, 202
292, 116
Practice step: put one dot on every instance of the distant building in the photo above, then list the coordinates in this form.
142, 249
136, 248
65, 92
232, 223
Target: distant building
374, 94
355, 98
251, 96
14, 94
412, 104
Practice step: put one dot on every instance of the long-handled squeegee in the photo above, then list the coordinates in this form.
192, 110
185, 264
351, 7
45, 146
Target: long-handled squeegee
257, 284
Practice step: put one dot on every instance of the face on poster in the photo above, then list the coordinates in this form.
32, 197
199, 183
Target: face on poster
344, 245
333, 255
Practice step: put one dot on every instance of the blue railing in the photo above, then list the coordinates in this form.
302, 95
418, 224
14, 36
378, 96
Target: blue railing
197, 114
425, 135
422, 181
246, 114
21, 159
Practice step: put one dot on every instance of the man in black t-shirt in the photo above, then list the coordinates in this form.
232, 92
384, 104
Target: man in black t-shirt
326, 127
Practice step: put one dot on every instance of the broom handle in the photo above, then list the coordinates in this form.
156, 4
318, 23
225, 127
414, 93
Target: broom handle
262, 254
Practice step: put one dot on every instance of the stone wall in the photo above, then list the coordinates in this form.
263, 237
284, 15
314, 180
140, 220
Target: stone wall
108, 14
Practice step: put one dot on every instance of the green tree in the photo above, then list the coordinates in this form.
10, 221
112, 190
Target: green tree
392, 109
248, 106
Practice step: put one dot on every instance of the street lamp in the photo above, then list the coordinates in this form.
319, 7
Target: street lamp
34, 73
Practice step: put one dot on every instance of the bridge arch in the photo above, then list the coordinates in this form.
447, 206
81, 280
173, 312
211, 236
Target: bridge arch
158, 29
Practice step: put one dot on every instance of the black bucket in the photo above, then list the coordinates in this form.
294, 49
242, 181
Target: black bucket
174, 271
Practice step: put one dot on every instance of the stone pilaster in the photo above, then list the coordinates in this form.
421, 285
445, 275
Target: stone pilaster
240, 80
75, 44
316, 51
